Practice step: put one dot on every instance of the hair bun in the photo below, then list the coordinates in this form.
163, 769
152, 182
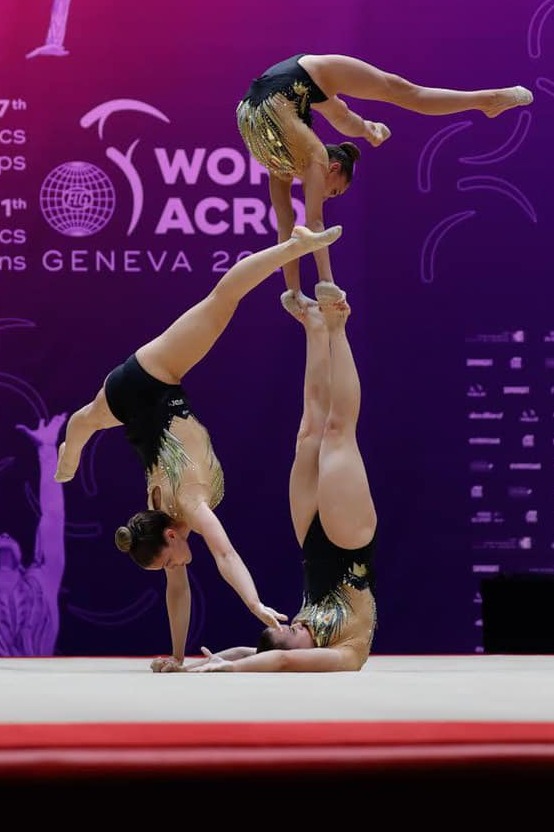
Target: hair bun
123, 538
351, 150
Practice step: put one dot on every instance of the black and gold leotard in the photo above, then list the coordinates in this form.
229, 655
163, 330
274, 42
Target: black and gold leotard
263, 121
335, 603
147, 407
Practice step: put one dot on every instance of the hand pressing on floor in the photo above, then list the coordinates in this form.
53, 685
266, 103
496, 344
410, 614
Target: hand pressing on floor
213, 664
169, 664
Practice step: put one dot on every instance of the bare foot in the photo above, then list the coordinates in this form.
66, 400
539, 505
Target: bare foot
296, 303
328, 293
312, 240
63, 474
336, 314
505, 99
377, 133
313, 318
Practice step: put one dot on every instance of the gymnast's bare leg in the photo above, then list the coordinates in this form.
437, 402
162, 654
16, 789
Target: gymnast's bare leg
342, 75
169, 356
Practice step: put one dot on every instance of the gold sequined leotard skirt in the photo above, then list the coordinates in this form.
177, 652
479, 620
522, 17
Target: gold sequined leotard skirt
268, 131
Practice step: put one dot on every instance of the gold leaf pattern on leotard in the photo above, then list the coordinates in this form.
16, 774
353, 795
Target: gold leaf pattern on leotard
327, 618
263, 131
173, 460
302, 92
264, 136
359, 570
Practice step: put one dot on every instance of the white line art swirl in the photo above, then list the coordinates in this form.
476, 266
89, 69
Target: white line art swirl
429, 248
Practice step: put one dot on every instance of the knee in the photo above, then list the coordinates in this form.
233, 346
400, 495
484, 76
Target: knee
335, 428
98, 411
222, 300
310, 434
399, 88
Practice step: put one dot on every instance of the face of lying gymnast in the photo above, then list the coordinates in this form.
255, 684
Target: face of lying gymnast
288, 637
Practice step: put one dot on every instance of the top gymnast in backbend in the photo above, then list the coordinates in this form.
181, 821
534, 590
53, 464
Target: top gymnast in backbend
275, 121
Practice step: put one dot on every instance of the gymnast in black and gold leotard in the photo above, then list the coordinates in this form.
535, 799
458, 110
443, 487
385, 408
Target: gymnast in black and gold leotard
274, 118
335, 604
268, 117
332, 512
183, 475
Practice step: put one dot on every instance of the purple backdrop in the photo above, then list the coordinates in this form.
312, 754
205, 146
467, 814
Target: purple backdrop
128, 109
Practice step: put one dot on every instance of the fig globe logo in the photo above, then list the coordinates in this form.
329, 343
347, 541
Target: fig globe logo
77, 199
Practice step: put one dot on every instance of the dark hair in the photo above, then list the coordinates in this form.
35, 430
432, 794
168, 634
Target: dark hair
270, 639
143, 536
346, 153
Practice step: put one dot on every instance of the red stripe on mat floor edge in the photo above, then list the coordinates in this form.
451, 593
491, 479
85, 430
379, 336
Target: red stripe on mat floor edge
84, 763
263, 734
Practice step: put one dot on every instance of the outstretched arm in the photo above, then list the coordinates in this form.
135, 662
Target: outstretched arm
231, 654
281, 201
314, 196
230, 565
81, 426
315, 660
178, 602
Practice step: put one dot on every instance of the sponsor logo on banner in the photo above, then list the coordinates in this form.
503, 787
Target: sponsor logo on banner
507, 544
479, 362
517, 336
529, 415
479, 466
487, 517
476, 391
486, 414
519, 492
484, 440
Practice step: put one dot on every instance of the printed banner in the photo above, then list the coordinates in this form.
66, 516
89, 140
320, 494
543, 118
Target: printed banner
126, 192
